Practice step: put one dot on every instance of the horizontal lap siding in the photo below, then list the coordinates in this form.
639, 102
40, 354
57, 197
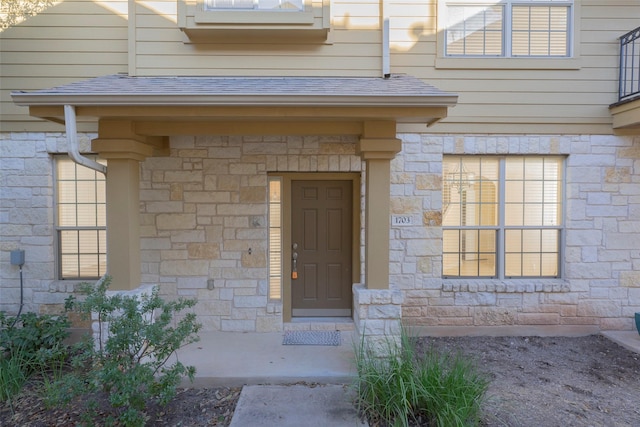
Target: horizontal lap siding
67, 42
355, 47
543, 101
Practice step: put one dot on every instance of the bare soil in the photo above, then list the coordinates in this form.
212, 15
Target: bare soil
535, 382
554, 381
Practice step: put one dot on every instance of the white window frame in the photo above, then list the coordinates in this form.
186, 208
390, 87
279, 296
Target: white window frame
501, 227
208, 7
570, 62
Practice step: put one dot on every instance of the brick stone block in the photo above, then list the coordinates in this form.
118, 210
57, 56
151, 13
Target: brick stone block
599, 308
538, 319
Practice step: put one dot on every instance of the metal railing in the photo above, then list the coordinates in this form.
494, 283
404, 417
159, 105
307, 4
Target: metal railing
629, 65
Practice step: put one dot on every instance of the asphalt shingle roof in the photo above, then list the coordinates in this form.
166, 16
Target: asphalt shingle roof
399, 87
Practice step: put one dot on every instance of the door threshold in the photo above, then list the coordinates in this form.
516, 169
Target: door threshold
320, 324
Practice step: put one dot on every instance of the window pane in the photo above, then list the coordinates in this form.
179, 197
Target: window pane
69, 241
531, 241
69, 266
488, 266
512, 265
514, 214
549, 241
451, 238
530, 264
67, 215
539, 30
89, 266
549, 265
87, 215
474, 30
450, 265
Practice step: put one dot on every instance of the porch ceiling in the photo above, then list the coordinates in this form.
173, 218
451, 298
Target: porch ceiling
626, 117
161, 106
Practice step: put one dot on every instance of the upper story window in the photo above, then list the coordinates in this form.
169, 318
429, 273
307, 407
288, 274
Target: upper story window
508, 28
502, 216
279, 5
80, 220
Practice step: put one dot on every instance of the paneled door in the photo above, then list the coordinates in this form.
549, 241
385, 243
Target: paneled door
321, 248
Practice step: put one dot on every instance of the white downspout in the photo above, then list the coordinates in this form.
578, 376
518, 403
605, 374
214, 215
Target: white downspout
386, 66
72, 141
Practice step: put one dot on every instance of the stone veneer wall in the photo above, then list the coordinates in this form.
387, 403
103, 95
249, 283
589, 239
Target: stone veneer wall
601, 283
27, 220
204, 220
205, 206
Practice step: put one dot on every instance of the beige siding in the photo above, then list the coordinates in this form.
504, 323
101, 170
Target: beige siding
354, 48
78, 39
498, 100
69, 41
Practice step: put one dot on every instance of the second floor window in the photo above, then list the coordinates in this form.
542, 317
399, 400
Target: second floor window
293, 5
508, 28
502, 216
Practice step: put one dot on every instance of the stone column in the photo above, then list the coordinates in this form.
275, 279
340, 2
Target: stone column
123, 208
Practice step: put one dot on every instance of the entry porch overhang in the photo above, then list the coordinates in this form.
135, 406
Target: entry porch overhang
136, 115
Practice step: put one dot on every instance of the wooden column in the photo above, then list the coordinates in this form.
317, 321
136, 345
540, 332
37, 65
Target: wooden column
377, 146
123, 208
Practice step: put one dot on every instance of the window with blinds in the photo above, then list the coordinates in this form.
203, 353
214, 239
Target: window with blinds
80, 220
275, 238
502, 217
508, 28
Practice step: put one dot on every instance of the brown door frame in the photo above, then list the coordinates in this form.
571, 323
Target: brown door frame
286, 226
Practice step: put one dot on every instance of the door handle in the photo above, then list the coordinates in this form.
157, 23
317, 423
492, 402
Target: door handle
294, 262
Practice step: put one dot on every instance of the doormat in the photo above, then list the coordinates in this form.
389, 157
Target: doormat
312, 338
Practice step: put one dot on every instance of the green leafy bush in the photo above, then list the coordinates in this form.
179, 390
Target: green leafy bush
28, 344
131, 364
403, 387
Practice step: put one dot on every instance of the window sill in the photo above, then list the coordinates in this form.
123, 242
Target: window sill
253, 17
200, 25
468, 63
525, 285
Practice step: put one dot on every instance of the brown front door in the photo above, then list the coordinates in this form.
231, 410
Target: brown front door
321, 222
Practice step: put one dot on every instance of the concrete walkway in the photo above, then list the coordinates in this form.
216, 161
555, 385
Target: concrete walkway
249, 359
295, 406
236, 359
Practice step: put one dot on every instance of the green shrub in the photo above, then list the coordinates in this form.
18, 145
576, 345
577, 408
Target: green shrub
401, 387
131, 365
39, 335
29, 344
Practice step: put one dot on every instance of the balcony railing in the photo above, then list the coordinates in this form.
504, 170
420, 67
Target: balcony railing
629, 65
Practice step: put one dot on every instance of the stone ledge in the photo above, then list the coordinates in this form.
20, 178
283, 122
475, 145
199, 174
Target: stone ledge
504, 286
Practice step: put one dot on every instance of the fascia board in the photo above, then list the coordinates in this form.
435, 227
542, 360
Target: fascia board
167, 100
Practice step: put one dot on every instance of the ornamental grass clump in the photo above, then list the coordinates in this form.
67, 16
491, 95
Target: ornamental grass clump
399, 386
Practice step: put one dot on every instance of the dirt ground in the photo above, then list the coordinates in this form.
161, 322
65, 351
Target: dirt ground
557, 381
535, 382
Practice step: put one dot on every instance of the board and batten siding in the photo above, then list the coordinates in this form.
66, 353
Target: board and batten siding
66, 42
